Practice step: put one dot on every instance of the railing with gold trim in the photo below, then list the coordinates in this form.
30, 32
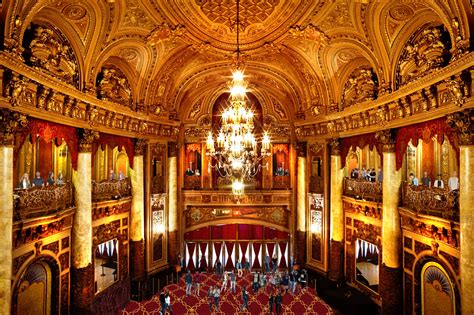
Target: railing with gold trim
111, 189
434, 201
40, 201
362, 189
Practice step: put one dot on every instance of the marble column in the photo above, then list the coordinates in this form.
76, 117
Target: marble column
137, 215
391, 270
82, 271
173, 246
336, 251
10, 122
301, 203
461, 122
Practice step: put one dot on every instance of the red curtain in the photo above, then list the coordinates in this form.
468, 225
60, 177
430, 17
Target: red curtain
270, 248
45, 163
243, 250
199, 234
230, 263
424, 131
282, 251
358, 141
114, 141
256, 261
48, 132
191, 247
271, 233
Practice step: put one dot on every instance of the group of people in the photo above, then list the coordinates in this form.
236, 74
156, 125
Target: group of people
165, 301
38, 181
453, 181
113, 176
367, 174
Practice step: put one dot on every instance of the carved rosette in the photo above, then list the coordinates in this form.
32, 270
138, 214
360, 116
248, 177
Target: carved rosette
139, 148
388, 139
335, 146
461, 122
172, 149
86, 138
10, 123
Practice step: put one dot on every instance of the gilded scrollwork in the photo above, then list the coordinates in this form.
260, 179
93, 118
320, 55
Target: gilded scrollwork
51, 52
15, 89
361, 86
111, 189
87, 137
113, 85
10, 123
461, 122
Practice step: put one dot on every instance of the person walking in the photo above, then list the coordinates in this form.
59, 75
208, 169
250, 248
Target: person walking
188, 279
255, 282
168, 303
278, 300
245, 300
270, 303
163, 301
303, 279
217, 294
219, 268
232, 282
267, 263
238, 265
224, 282
210, 296
197, 283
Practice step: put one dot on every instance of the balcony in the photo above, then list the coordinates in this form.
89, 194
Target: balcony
42, 201
362, 189
432, 201
111, 189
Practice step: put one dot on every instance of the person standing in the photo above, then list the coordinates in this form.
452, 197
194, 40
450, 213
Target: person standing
303, 279
270, 303
224, 282
168, 303
426, 180
210, 296
453, 182
197, 283
217, 294
219, 268
232, 282
189, 282
238, 265
380, 175
38, 181
267, 263
255, 282
245, 300
438, 182
274, 262
278, 300
163, 301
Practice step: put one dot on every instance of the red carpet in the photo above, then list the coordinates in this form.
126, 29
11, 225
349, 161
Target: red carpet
300, 303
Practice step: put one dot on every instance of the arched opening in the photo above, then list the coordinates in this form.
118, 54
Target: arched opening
437, 291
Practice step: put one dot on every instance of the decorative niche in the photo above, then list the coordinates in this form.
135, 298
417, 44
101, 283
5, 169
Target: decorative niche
281, 166
193, 166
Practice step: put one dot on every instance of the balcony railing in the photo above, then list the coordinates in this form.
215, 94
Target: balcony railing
432, 201
362, 189
111, 189
40, 201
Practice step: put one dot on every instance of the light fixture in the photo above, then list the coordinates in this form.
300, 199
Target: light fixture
236, 150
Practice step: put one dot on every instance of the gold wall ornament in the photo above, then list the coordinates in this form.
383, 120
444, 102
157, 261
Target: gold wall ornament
92, 113
86, 138
457, 90
461, 122
50, 51
165, 31
114, 86
310, 32
335, 146
387, 138
16, 88
10, 123
139, 147
361, 86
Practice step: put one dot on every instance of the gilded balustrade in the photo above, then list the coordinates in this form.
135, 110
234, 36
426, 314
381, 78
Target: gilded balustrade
362, 189
111, 189
41, 201
435, 201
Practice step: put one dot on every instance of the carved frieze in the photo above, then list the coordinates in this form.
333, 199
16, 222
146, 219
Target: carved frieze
10, 123
361, 86
107, 209
461, 122
113, 85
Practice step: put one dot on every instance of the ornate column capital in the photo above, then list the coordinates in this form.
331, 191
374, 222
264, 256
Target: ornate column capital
388, 139
10, 123
139, 148
172, 149
86, 138
301, 149
461, 122
335, 146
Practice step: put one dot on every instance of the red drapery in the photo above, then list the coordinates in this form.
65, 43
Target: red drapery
217, 249
243, 251
424, 131
256, 249
358, 141
114, 141
48, 132
229, 263
199, 234
282, 251
270, 248
191, 247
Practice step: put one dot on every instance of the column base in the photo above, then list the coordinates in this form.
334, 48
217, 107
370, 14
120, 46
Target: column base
300, 249
82, 290
137, 258
336, 261
391, 290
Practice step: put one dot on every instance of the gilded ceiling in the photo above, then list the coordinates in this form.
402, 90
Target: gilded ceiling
174, 57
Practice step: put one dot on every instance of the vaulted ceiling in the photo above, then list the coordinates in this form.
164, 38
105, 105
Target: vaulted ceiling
177, 55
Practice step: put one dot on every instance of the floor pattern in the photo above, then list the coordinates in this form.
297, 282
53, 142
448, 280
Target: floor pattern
306, 302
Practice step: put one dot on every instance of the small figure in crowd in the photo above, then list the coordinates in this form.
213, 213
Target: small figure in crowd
438, 182
189, 282
453, 182
112, 175
38, 181
51, 180
197, 173
412, 179
270, 303
232, 281
372, 175
380, 176
24, 182
197, 283
238, 265
121, 176
275, 262
278, 300
245, 299
426, 180
60, 180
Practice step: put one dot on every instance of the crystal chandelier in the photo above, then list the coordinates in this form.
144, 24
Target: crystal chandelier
236, 149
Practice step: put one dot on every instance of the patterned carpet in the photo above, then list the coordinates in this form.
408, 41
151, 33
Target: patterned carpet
301, 303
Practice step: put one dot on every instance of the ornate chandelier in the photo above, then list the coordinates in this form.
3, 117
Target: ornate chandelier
236, 149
